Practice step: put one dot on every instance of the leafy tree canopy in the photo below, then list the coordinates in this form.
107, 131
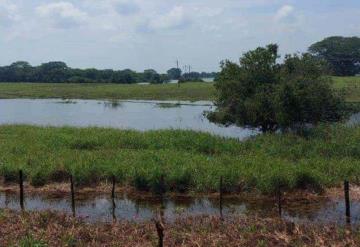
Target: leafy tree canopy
342, 53
260, 92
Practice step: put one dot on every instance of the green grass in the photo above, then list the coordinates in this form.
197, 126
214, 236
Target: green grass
182, 161
193, 91
187, 91
350, 86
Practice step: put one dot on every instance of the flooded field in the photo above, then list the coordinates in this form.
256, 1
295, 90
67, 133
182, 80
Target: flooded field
137, 115
101, 208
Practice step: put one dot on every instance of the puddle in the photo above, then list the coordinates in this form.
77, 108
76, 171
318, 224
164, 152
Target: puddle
99, 208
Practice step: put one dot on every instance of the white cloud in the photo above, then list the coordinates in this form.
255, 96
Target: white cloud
8, 13
284, 12
176, 18
62, 14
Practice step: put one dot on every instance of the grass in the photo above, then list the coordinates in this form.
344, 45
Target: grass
51, 229
350, 86
182, 161
193, 91
188, 91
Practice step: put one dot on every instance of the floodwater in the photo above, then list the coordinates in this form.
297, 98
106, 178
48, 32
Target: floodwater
99, 208
137, 115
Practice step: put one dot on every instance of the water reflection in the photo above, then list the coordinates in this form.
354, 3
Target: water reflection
104, 208
136, 114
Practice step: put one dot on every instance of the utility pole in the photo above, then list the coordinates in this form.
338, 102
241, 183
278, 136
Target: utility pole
177, 66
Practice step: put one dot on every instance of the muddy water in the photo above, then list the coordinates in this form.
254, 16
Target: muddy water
100, 208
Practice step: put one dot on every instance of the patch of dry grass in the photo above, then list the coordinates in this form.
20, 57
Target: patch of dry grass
50, 229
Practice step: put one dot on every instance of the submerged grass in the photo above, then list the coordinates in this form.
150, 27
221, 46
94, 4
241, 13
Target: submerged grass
182, 161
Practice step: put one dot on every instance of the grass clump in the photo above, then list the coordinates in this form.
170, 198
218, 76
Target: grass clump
182, 161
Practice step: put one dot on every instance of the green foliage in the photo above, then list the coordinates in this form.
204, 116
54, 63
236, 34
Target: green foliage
191, 77
342, 53
183, 161
59, 72
29, 241
261, 93
174, 73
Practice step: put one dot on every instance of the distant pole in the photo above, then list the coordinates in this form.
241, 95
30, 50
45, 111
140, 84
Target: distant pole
177, 66
21, 184
347, 201
221, 196
72, 195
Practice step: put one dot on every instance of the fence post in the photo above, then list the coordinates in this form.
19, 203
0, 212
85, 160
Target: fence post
21, 184
221, 196
279, 201
347, 201
113, 187
113, 197
72, 195
160, 231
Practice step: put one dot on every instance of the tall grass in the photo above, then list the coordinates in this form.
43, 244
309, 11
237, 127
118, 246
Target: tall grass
186, 160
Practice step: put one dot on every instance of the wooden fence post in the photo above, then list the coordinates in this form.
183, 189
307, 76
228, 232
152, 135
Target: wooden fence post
347, 201
113, 198
113, 187
160, 231
279, 201
221, 196
72, 195
21, 184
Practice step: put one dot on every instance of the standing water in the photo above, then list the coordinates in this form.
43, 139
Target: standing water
99, 207
137, 115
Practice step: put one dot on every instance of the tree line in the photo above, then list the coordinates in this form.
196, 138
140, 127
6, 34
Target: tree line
59, 72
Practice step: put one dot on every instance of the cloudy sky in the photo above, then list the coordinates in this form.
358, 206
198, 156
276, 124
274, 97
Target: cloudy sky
140, 34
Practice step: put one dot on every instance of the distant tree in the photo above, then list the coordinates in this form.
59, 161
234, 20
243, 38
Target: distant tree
191, 77
59, 72
174, 73
342, 53
261, 93
164, 78
53, 72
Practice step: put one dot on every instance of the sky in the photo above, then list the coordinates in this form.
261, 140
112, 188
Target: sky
142, 34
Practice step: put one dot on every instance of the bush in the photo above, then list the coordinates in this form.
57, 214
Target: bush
262, 93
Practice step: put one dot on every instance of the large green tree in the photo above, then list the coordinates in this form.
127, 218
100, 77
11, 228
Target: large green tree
342, 53
262, 93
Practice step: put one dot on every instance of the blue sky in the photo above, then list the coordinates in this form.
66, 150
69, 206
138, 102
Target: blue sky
140, 34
